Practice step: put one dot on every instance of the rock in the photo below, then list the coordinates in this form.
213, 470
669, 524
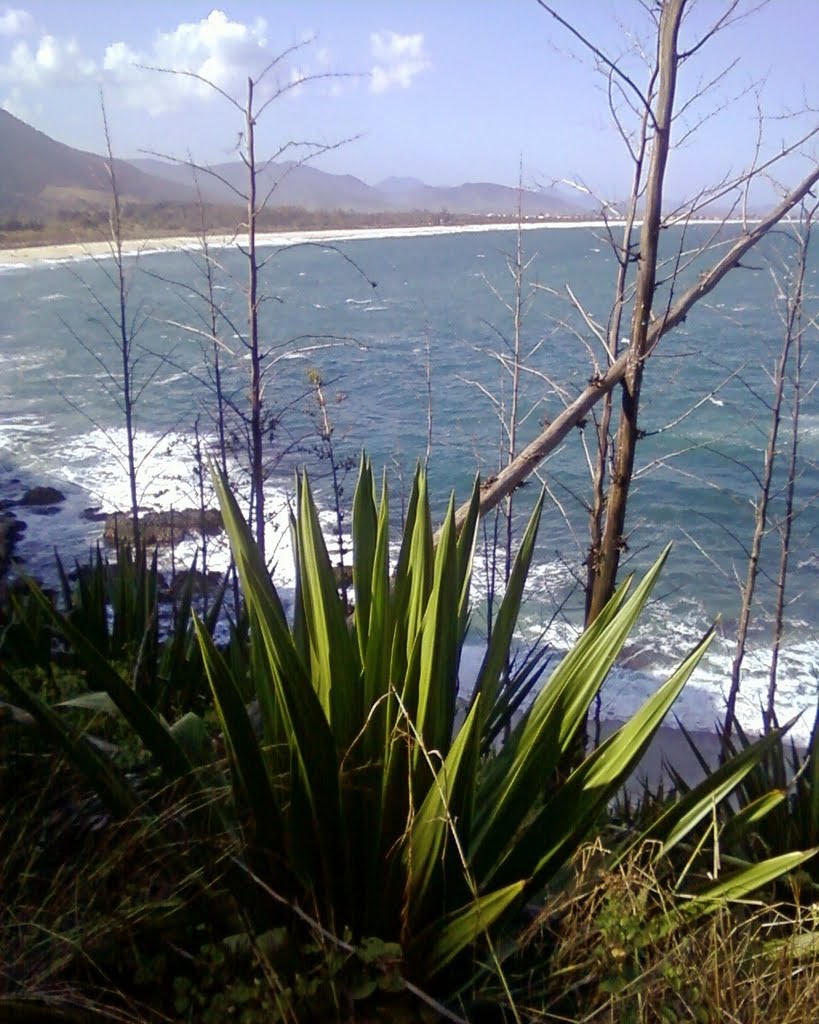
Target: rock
94, 514
42, 496
203, 583
10, 530
343, 574
163, 527
44, 510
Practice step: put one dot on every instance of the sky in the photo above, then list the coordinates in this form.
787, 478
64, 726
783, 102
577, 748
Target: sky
443, 90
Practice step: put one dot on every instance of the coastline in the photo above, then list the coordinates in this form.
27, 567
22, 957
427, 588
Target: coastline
99, 250
32, 255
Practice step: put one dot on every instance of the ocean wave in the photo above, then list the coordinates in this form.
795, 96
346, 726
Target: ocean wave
95, 463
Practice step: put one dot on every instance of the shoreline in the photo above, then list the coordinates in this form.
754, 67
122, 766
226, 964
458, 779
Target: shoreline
32, 255
668, 746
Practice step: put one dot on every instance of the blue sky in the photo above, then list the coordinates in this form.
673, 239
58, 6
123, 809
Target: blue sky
444, 90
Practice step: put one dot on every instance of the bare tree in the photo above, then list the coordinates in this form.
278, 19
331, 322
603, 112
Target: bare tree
122, 325
263, 90
771, 484
121, 319
515, 360
641, 271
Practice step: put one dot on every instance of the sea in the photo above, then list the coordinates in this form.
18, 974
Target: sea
413, 339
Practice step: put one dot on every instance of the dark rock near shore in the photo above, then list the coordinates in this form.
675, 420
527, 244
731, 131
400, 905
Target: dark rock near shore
44, 510
94, 514
42, 496
202, 583
10, 530
163, 527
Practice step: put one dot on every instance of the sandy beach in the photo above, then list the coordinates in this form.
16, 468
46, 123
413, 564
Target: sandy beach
102, 249
28, 255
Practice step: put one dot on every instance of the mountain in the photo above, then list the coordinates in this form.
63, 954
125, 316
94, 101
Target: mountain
303, 185
38, 174
41, 176
292, 184
477, 197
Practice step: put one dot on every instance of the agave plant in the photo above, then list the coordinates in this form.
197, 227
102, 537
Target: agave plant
389, 820
776, 805
368, 798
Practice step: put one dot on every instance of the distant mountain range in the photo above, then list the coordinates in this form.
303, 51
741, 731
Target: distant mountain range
305, 186
39, 176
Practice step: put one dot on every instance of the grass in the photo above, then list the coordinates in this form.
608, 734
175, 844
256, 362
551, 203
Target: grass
591, 954
94, 926
77, 942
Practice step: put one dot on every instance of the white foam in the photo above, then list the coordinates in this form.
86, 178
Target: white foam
95, 462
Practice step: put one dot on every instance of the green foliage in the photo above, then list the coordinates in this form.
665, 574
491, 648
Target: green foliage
271, 979
601, 950
115, 608
369, 796
776, 801
391, 821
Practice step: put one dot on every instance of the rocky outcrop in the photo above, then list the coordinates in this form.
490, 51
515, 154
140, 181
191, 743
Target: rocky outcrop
37, 496
163, 527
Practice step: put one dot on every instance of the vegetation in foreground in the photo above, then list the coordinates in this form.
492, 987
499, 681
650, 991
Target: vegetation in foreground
307, 823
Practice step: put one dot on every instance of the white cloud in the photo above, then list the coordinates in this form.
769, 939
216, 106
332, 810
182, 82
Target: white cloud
222, 51
216, 48
398, 59
15, 22
51, 61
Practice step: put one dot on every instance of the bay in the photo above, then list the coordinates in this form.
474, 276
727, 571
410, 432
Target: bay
437, 316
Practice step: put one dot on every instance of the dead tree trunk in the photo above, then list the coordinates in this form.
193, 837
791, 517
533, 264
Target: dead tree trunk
625, 257
524, 464
625, 445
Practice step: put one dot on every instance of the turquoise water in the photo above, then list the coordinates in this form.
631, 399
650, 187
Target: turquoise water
443, 296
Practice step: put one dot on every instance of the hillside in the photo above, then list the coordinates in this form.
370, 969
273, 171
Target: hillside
293, 185
479, 198
39, 175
